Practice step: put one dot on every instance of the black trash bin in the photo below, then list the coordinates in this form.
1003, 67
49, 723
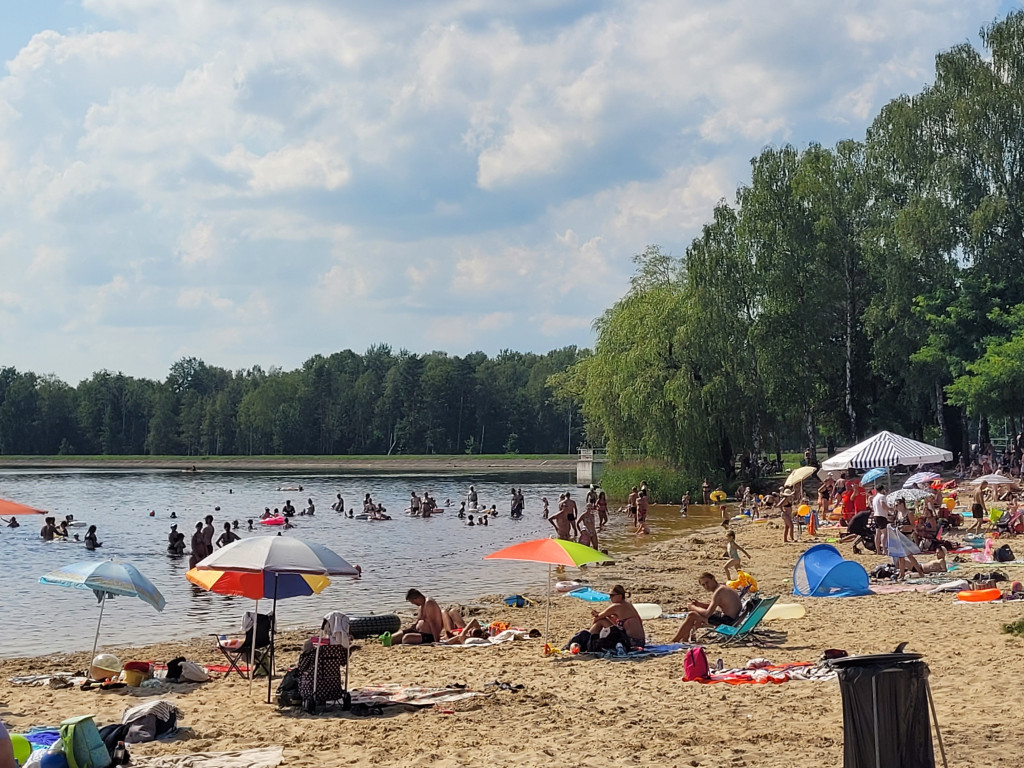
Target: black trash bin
885, 711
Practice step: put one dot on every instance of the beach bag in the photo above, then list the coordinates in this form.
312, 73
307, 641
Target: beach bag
1003, 555
83, 746
608, 638
193, 673
581, 638
695, 664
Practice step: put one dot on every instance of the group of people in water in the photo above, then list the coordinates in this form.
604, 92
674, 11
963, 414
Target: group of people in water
54, 531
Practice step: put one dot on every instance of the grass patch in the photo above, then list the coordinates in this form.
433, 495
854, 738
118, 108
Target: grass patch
1014, 628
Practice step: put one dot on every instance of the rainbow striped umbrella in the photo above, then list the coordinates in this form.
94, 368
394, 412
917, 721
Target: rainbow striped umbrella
258, 585
551, 552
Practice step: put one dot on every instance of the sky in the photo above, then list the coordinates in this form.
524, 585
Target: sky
259, 182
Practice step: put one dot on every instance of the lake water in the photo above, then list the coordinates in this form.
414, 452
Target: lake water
441, 555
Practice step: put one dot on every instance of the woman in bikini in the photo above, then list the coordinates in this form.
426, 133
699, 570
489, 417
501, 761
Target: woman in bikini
621, 613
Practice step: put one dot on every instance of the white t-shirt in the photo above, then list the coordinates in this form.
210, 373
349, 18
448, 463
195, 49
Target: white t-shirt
878, 507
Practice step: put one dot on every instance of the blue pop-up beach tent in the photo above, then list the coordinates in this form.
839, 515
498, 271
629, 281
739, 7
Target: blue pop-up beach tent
822, 572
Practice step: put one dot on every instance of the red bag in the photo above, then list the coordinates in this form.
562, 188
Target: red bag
695, 664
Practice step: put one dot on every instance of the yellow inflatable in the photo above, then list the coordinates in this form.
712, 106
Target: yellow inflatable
949, 503
718, 496
743, 579
803, 510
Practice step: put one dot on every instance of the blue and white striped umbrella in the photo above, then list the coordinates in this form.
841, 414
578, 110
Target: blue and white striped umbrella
885, 450
921, 477
103, 578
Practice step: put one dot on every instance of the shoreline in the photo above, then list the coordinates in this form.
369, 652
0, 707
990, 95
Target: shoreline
637, 712
384, 464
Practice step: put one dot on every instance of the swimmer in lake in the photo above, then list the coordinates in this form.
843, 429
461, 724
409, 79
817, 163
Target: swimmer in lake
90, 539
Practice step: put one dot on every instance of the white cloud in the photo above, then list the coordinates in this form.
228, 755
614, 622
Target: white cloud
259, 182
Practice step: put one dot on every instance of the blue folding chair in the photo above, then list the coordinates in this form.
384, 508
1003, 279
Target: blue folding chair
746, 630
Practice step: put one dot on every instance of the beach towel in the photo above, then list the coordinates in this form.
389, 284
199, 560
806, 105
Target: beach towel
893, 589
774, 674
411, 695
590, 595
54, 679
648, 651
489, 642
263, 757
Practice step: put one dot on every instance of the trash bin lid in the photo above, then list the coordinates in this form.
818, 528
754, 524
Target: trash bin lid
873, 659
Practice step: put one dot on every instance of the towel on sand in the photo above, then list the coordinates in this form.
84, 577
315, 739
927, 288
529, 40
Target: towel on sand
488, 642
413, 695
264, 757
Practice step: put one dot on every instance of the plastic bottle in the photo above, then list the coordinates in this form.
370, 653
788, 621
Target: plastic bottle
120, 756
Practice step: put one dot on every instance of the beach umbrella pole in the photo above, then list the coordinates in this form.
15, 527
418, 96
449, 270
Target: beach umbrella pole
252, 646
273, 641
96, 639
547, 611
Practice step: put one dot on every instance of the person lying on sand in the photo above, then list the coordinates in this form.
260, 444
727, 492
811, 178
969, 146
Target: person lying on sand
938, 565
620, 613
428, 624
724, 608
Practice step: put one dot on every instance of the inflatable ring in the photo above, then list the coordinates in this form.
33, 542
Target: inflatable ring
273, 521
718, 496
979, 595
566, 586
372, 625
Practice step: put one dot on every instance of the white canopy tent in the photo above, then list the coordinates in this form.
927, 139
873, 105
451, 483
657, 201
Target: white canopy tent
885, 449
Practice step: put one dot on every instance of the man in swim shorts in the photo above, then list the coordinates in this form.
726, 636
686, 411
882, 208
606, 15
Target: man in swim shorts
427, 626
724, 608
978, 508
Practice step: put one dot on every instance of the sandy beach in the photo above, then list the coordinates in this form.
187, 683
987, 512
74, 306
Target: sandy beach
597, 712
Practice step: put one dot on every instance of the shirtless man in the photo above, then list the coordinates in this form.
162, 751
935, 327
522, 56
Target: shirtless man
631, 504
622, 613
560, 521
472, 497
978, 507
724, 608
429, 622
414, 504
208, 534
570, 515
938, 565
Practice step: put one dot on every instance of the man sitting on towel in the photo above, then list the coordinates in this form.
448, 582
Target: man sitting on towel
427, 627
724, 608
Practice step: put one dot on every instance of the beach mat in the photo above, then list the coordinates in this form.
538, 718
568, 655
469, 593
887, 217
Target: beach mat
773, 674
410, 695
647, 652
262, 757
590, 595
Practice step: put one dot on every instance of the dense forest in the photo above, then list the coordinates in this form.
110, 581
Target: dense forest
376, 403
874, 284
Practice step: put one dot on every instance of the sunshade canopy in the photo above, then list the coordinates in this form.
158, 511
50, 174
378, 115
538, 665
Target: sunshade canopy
885, 449
550, 552
10, 508
107, 577
259, 585
993, 480
277, 554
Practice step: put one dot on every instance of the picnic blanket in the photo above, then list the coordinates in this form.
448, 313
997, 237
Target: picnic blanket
772, 674
411, 695
262, 757
663, 649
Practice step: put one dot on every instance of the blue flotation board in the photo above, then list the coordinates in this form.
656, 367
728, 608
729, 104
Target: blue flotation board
590, 595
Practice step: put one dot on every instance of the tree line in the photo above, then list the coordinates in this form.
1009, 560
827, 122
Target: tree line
379, 402
875, 284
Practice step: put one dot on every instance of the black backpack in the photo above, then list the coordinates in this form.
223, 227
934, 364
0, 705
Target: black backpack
1003, 555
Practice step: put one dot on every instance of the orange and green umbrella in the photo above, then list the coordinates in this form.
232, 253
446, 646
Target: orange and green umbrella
550, 552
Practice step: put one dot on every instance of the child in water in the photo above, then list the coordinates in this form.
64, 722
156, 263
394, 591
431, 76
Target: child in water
732, 551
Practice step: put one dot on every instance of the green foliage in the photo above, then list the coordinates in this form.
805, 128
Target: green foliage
666, 484
376, 403
847, 289
1014, 628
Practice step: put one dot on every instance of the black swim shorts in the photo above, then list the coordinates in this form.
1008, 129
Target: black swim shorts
881, 522
428, 638
720, 619
977, 512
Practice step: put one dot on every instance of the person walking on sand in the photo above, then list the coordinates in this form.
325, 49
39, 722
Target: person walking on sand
978, 507
427, 627
786, 507
880, 515
732, 551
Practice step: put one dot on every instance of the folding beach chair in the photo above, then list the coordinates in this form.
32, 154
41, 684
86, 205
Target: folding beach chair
239, 651
746, 630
